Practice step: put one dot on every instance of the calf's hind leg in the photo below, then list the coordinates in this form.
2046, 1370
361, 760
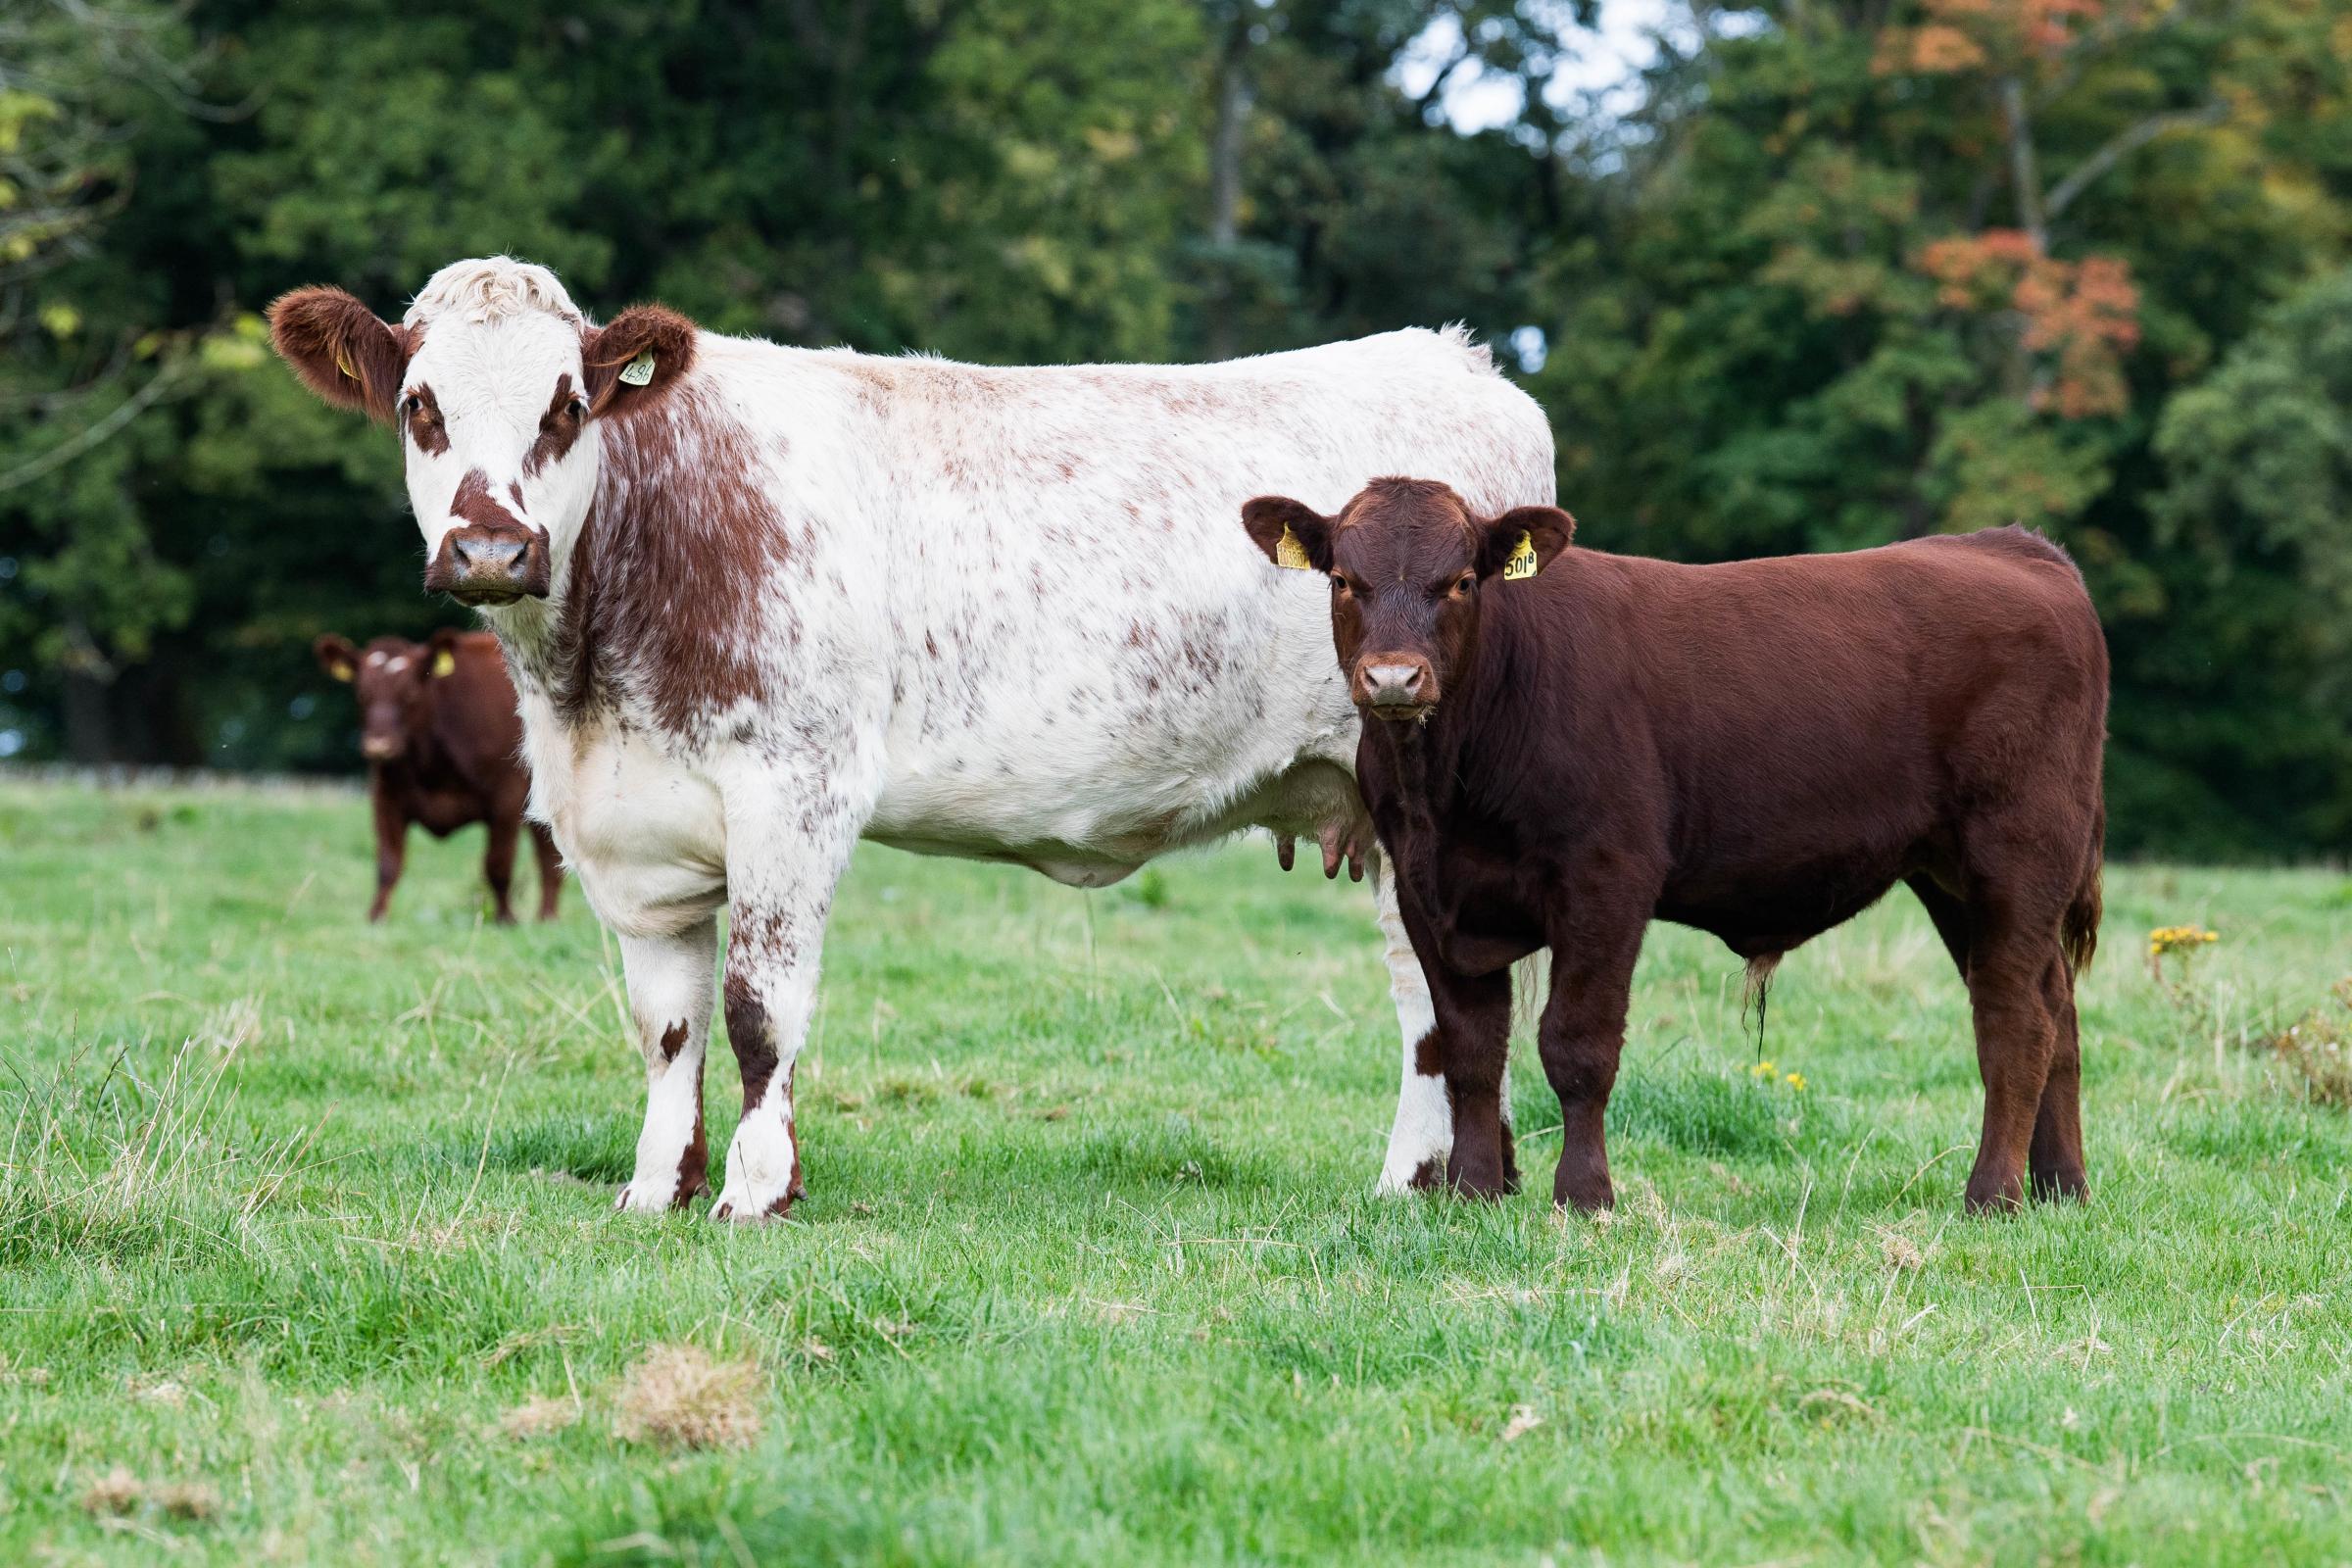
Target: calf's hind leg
2016, 1041
2055, 1156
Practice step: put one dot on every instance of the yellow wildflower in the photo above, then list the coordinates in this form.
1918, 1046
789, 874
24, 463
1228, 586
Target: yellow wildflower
1762, 1069
1796, 1081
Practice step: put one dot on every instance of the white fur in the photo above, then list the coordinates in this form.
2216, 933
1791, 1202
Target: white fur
1018, 619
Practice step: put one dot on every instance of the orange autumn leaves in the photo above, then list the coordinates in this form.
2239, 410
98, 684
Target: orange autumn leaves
1960, 35
2083, 313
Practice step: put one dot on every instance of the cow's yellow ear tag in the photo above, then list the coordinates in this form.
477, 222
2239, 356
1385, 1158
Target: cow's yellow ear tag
638, 370
1523, 560
444, 662
1289, 551
339, 670
343, 363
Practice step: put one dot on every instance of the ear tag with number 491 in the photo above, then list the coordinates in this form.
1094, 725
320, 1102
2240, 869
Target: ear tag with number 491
1289, 551
638, 370
1523, 560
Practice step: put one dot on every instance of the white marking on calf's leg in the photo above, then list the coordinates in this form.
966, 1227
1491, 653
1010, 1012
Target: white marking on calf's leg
670, 999
1421, 1139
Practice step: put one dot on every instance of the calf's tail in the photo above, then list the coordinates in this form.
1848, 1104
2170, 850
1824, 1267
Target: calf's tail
2078, 932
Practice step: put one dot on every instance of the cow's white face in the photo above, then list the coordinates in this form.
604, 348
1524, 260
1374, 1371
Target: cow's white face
501, 454
496, 386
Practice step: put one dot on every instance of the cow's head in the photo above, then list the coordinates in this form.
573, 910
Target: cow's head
497, 385
1407, 563
394, 683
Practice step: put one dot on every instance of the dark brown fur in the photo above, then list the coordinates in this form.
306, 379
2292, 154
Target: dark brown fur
1759, 749
443, 753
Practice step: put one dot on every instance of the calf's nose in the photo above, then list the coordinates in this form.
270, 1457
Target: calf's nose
1394, 683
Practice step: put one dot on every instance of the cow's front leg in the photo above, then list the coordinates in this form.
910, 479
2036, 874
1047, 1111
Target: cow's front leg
669, 979
1421, 1138
779, 895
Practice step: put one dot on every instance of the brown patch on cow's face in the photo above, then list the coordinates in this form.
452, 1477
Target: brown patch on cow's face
558, 427
495, 557
420, 418
1407, 564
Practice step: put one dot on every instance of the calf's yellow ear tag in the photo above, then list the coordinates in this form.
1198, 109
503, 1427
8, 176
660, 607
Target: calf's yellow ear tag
1523, 560
1289, 551
340, 670
444, 661
638, 370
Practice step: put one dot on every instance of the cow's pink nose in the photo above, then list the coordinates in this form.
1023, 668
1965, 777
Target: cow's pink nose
1394, 683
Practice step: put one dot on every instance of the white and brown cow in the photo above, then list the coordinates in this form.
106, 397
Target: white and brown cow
761, 602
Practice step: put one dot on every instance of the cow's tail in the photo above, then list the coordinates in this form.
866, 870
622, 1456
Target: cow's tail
2078, 932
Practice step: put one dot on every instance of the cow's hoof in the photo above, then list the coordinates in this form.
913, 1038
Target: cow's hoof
1401, 1178
749, 1208
656, 1196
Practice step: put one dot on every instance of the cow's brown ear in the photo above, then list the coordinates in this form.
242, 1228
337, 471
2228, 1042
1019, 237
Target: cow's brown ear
441, 652
336, 655
1523, 540
342, 350
636, 357
1292, 533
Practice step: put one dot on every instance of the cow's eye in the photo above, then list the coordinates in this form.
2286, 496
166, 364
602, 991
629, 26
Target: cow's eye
409, 407
1463, 584
1339, 585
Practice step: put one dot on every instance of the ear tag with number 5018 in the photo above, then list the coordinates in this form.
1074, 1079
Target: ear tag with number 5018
638, 370
1523, 560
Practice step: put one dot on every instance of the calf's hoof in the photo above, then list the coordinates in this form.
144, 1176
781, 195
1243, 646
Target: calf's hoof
1994, 1195
1583, 1194
1480, 1177
2064, 1186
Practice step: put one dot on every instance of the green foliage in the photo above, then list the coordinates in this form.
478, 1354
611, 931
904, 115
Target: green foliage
1844, 275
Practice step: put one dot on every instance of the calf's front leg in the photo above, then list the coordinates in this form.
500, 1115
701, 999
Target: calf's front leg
670, 980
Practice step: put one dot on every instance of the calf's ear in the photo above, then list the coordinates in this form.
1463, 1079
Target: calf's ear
635, 356
1523, 540
441, 652
342, 350
336, 655
1291, 533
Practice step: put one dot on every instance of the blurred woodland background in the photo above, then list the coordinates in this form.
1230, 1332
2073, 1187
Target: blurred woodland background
1808, 277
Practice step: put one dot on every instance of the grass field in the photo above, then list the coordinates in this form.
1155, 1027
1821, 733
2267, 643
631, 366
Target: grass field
306, 1256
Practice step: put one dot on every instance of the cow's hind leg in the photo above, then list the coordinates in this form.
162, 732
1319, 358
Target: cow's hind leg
780, 882
2056, 1157
1421, 1138
669, 979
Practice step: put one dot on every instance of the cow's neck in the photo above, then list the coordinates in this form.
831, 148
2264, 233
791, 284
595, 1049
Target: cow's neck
655, 612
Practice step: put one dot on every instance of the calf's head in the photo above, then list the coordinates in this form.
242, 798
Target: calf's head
1408, 564
496, 386
393, 682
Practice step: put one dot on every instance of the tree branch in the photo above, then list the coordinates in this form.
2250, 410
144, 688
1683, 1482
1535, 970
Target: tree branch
2124, 143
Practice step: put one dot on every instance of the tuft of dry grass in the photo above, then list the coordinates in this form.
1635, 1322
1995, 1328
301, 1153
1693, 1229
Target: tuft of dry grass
539, 1417
119, 1493
2317, 1049
677, 1395
114, 1493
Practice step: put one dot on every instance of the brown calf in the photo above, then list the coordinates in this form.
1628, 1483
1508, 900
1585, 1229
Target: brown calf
444, 745
1759, 749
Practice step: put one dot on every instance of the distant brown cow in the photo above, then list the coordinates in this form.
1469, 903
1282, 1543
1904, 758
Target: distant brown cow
1759, 749
443, 745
